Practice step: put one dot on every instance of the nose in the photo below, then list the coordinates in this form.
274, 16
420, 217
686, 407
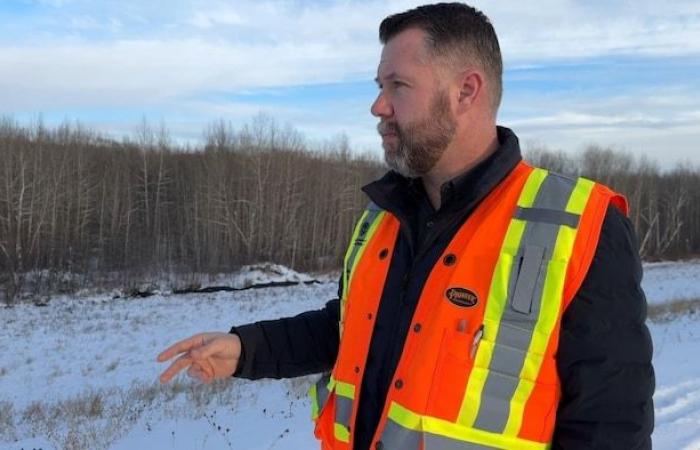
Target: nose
381, 106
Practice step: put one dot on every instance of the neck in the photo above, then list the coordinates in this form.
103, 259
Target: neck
459, 158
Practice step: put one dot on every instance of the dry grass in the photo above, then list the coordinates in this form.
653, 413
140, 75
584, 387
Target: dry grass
86, 406
87, 421
7, 421
299, 387
667, 312
96, 419
34, 413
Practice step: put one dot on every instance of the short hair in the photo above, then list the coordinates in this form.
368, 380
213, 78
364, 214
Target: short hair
457, 32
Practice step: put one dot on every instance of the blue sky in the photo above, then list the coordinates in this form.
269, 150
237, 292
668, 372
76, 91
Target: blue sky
624, 74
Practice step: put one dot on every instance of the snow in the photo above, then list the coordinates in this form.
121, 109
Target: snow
666, 281
102, 346
677, 397
81, 372
258, 274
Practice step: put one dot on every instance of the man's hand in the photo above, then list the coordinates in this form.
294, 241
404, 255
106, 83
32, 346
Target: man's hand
208, 356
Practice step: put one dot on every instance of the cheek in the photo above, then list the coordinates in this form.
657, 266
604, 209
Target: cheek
408, 106
404, 108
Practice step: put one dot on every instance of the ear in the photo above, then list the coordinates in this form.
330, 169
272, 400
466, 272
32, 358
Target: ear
471, 88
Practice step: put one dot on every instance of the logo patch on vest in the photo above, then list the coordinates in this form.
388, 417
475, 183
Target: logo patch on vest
462, 297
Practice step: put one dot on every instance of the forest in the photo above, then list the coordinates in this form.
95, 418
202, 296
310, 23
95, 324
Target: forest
75, 201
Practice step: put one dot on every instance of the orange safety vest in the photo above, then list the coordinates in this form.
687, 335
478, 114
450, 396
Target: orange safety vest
478, 366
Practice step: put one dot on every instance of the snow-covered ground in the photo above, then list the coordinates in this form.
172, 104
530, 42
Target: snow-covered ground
666, 281
80, 373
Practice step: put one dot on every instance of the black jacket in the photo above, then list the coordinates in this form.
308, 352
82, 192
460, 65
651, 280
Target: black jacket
604, 354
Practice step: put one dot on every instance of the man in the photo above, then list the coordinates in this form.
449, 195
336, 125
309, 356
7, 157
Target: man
483, 303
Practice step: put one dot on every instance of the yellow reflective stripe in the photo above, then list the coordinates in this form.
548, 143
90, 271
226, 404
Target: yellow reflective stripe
549, 312
496, 302
341, 433
551, 305
314, 402
404, 417
579, 198
331, 384
531, 188
497, 296
348, 252
370, 233
348, 274
440, 427
345, 389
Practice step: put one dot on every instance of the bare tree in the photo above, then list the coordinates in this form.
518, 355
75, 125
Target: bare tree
71, 199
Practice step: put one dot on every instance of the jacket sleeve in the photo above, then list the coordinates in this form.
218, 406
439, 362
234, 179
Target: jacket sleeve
605, 350
290, 347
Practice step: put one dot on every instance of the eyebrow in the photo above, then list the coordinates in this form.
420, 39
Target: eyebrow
391, 76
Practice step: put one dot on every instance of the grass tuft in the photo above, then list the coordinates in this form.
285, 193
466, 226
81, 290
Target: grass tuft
670, 311
7, 415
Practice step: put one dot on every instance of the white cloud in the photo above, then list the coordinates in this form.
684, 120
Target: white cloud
192, 46
668, 147
567, 29
148, 72
662, 125
162, 55
89, 23
209, 19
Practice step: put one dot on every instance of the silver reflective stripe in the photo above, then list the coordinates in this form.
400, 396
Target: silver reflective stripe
396, 437
435, 442
322, 391
524, 297
373, 212
343, 410
548, 215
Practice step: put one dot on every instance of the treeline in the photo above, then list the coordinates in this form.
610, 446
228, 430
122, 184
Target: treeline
664, 204
72, 200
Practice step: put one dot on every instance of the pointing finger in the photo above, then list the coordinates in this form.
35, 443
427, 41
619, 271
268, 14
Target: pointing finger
180, 347
179, 364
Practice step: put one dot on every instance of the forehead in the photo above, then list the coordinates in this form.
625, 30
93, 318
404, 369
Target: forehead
405, 52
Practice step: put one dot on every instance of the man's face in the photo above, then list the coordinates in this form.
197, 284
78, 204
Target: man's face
416, 122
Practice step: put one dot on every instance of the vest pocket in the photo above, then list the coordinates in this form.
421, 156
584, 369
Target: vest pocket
451, 372
528, 281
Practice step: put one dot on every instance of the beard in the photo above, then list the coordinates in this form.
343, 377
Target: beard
420, 144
